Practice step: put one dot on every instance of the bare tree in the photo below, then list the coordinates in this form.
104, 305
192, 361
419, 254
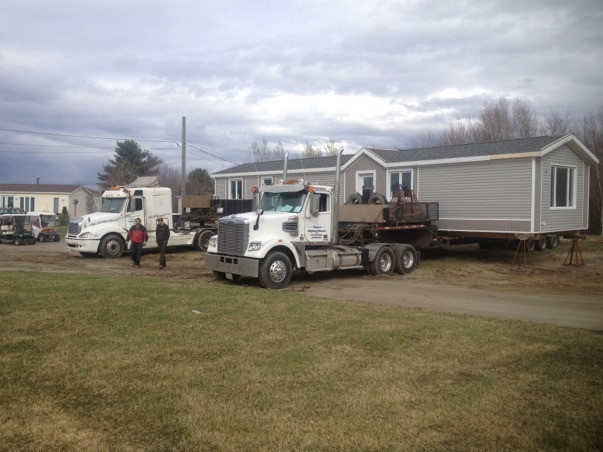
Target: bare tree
311, 151
524, 122
279, 151
330, 148
591, 134
259, 152
557, 123
172, 178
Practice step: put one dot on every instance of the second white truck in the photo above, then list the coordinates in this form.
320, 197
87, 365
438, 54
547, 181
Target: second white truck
105, 232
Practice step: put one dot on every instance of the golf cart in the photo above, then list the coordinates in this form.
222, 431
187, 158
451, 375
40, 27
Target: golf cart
44, 225
16, 230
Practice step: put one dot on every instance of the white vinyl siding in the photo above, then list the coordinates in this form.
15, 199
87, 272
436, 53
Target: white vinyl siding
492, 196
555, 219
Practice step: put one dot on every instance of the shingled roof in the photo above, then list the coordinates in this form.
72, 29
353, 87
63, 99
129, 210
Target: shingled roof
518, 146
292, 165
38, 188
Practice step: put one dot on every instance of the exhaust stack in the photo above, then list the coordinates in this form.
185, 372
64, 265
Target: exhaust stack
335, 209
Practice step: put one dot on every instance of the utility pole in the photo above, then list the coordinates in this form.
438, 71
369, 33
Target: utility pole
183, 192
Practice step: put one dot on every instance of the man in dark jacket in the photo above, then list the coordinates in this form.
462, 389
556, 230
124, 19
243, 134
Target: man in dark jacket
162, 235
138, 235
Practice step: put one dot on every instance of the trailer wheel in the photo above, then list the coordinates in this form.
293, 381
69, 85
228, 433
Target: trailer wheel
552, 241
377, 198
383, 264
405, 259
354, 198
111, 247
202, 241
540, 244
275, 271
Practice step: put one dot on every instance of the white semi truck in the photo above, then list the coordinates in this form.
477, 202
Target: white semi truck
105, 232
302, 226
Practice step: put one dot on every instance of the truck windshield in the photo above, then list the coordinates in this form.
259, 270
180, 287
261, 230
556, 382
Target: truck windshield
283, 202
48, 221
113, 205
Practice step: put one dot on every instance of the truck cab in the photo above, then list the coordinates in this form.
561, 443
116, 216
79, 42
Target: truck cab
105, 231
292, 227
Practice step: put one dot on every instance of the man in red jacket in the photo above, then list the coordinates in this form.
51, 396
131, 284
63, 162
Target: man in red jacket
138, 235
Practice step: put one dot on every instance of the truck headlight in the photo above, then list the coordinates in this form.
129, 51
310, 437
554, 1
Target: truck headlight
86, 235
254, 246
213, 241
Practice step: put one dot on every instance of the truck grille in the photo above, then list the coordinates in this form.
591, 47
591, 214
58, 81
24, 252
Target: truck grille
233, 236
75, 226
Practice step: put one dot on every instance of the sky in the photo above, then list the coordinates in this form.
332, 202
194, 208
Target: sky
78, 75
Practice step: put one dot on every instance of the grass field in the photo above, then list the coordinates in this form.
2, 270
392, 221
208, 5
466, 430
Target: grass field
92, 362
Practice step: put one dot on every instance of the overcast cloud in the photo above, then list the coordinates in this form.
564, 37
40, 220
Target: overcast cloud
359, 72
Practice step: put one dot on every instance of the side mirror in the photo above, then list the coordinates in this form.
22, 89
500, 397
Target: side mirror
314, 205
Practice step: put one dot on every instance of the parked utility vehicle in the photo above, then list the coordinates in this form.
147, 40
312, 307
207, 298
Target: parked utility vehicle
299, 225
16, 229
44, 226
105, 232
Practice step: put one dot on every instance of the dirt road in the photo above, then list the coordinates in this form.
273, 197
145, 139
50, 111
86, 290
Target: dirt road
463, 280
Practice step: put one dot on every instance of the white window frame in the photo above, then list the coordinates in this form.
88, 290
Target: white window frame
398, 171
571, 196
56, 205
360, 176
8, 199
230, 194
27, 203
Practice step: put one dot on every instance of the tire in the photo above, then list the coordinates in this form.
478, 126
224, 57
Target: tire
57, 238
220, 276
540, 244
383, 264
405, 259
203, 240
377, 198
111, 247
552, 241
275, 271
18, 241
354, 198
42, 238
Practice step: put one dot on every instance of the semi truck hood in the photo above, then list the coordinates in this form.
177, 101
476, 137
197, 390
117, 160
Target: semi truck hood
96, 218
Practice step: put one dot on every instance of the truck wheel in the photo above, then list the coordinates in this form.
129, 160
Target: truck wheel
354, 198
202, 241
111, 247
219, 275
275, 271
540, 244
552, 241
377, 198
405, 259
383, 263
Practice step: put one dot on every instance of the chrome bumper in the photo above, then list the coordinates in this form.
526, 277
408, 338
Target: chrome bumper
232, 264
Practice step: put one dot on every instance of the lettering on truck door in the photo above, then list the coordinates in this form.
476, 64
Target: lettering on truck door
318, 229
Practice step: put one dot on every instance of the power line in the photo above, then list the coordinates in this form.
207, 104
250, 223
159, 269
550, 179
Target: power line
68, 135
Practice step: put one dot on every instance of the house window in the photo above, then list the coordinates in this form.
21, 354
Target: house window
27, 203
8, 201
235, 189
56, 205
400, 180
365, 180
563, 186
267, 181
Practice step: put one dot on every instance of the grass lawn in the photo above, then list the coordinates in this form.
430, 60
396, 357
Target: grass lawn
93, 362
